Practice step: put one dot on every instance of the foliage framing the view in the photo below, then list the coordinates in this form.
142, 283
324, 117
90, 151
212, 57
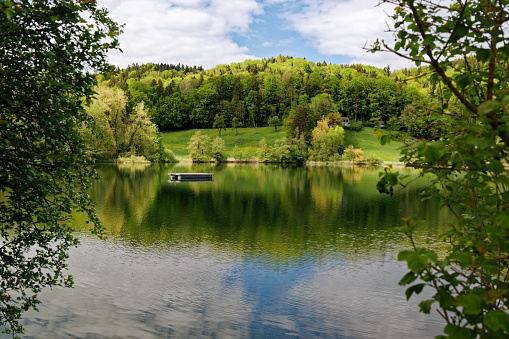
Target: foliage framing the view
466, 47
47, 49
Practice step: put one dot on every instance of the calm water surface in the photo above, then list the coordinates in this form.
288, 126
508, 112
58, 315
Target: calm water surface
261, 252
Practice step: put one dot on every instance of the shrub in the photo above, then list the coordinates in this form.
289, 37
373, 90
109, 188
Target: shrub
240, 155
335, 157
355, 126
133, 159
283, 151
353, 154
374, 160
218, 149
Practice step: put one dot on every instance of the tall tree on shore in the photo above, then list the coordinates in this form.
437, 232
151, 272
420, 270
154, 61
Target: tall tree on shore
47, 49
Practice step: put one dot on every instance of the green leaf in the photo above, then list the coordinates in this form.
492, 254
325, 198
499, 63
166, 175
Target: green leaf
464, 259
495, 166
417, 263
444, 298
385, 139
425, 305
504, 49
497, 320
408, 279
483, 55
463, 80
414, 289
404, 255
457, 332
431, 153
470, 302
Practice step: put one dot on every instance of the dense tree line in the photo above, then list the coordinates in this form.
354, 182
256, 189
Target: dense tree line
254, 91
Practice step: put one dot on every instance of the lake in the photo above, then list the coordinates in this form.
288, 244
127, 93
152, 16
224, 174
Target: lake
263, 251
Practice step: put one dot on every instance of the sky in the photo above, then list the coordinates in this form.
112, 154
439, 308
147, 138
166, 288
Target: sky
211, 32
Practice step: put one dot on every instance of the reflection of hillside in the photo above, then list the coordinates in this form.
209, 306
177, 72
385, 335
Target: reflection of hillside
123, 194
270, 212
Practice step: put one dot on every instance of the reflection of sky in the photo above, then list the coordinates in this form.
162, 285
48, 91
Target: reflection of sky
174, 275
268, 289
201, 291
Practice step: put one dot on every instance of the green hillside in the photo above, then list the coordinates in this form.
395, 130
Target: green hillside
249, 138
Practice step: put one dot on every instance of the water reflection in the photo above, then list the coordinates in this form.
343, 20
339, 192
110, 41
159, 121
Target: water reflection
271, 210
263, 251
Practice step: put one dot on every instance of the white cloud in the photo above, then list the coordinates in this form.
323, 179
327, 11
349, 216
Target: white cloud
344, 28
191, 32
201, 32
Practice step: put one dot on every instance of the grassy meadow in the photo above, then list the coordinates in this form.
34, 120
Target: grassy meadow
248, 138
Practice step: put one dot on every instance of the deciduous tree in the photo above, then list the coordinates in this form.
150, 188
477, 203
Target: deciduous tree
274, 121
200, 147
123, 133
468, 162
47, 49
219, 123
236, 123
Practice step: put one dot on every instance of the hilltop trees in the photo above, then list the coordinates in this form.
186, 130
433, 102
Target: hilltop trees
256, 90
465, 44
47, 49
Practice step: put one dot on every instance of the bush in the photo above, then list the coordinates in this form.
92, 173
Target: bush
355, 126
353, 154
240, 155
218, 149
335, 157
283, 151
165, 155
133, 159
374, 160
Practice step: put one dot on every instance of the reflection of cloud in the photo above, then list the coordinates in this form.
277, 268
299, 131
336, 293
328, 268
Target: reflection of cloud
197, 290
354, 302
129, 292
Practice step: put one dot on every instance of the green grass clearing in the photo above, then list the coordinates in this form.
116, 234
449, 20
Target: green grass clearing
369, 143
248, 138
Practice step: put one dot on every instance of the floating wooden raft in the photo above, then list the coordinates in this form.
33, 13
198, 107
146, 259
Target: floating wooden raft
191, 176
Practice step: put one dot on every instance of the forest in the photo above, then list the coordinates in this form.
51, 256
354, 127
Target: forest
253, 92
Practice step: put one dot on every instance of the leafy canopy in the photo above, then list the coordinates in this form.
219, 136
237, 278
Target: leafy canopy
47, 48
466, 46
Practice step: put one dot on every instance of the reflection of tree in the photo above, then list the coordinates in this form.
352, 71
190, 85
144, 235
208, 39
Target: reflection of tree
276, 214
326, 185
353, 173
124, 194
